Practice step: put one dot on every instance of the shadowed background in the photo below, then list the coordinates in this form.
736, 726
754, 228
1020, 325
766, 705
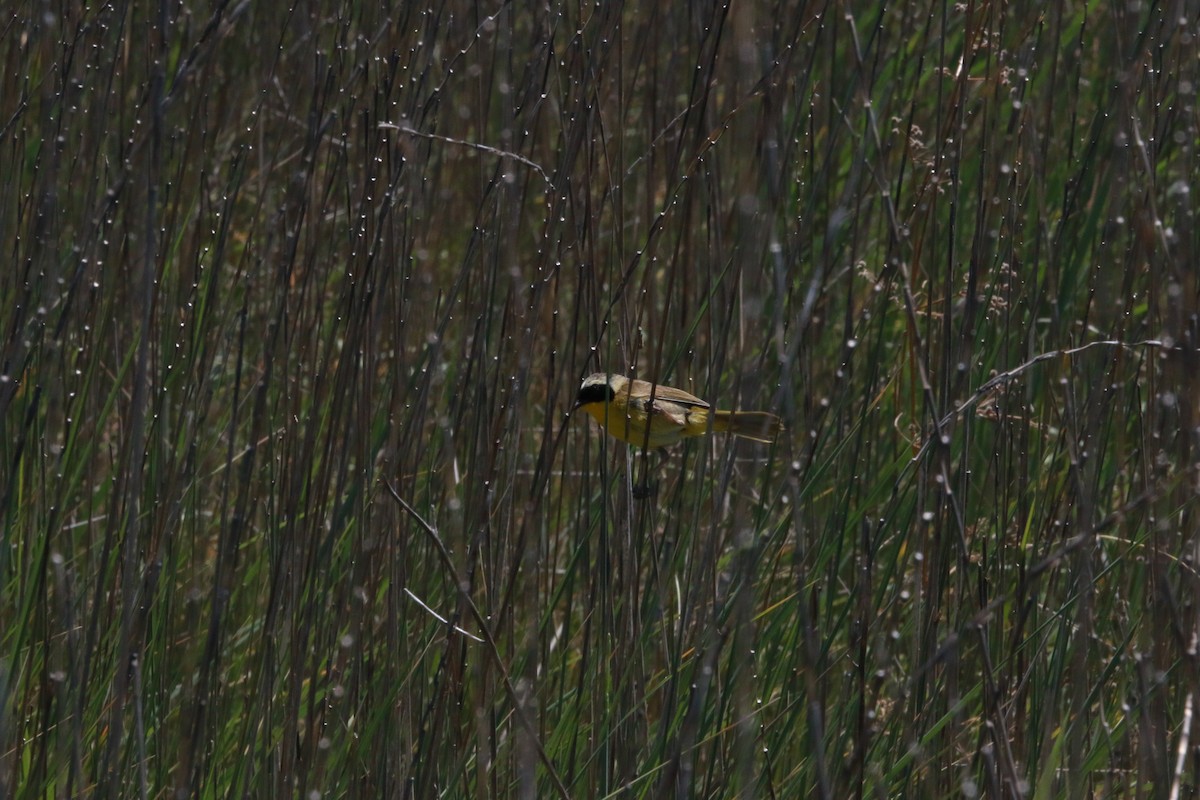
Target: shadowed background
296, 303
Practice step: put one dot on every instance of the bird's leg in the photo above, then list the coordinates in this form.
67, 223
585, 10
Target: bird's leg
649, 488
643, 489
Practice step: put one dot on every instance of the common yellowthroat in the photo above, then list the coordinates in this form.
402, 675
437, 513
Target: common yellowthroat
624, 409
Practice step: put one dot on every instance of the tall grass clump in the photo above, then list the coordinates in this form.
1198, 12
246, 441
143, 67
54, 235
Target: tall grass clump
295, 309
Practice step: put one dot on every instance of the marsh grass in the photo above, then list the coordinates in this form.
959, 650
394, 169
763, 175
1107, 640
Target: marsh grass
297, 303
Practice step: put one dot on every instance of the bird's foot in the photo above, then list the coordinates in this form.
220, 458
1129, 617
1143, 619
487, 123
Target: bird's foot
645, 490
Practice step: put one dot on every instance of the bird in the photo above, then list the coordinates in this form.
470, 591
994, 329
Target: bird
623, 407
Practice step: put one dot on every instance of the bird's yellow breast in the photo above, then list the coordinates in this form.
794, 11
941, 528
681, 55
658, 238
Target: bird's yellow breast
665, 425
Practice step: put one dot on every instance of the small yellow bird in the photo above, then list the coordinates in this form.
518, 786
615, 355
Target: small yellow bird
624, 409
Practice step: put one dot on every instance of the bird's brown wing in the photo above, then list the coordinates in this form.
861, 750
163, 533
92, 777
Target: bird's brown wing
662, 392
667, 415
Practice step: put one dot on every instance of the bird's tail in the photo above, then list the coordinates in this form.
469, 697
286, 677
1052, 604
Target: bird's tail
760, 426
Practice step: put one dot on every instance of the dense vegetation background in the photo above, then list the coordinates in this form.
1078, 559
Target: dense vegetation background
296, 302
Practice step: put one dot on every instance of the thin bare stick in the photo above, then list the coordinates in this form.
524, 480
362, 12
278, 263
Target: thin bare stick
517, 706
483, 148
